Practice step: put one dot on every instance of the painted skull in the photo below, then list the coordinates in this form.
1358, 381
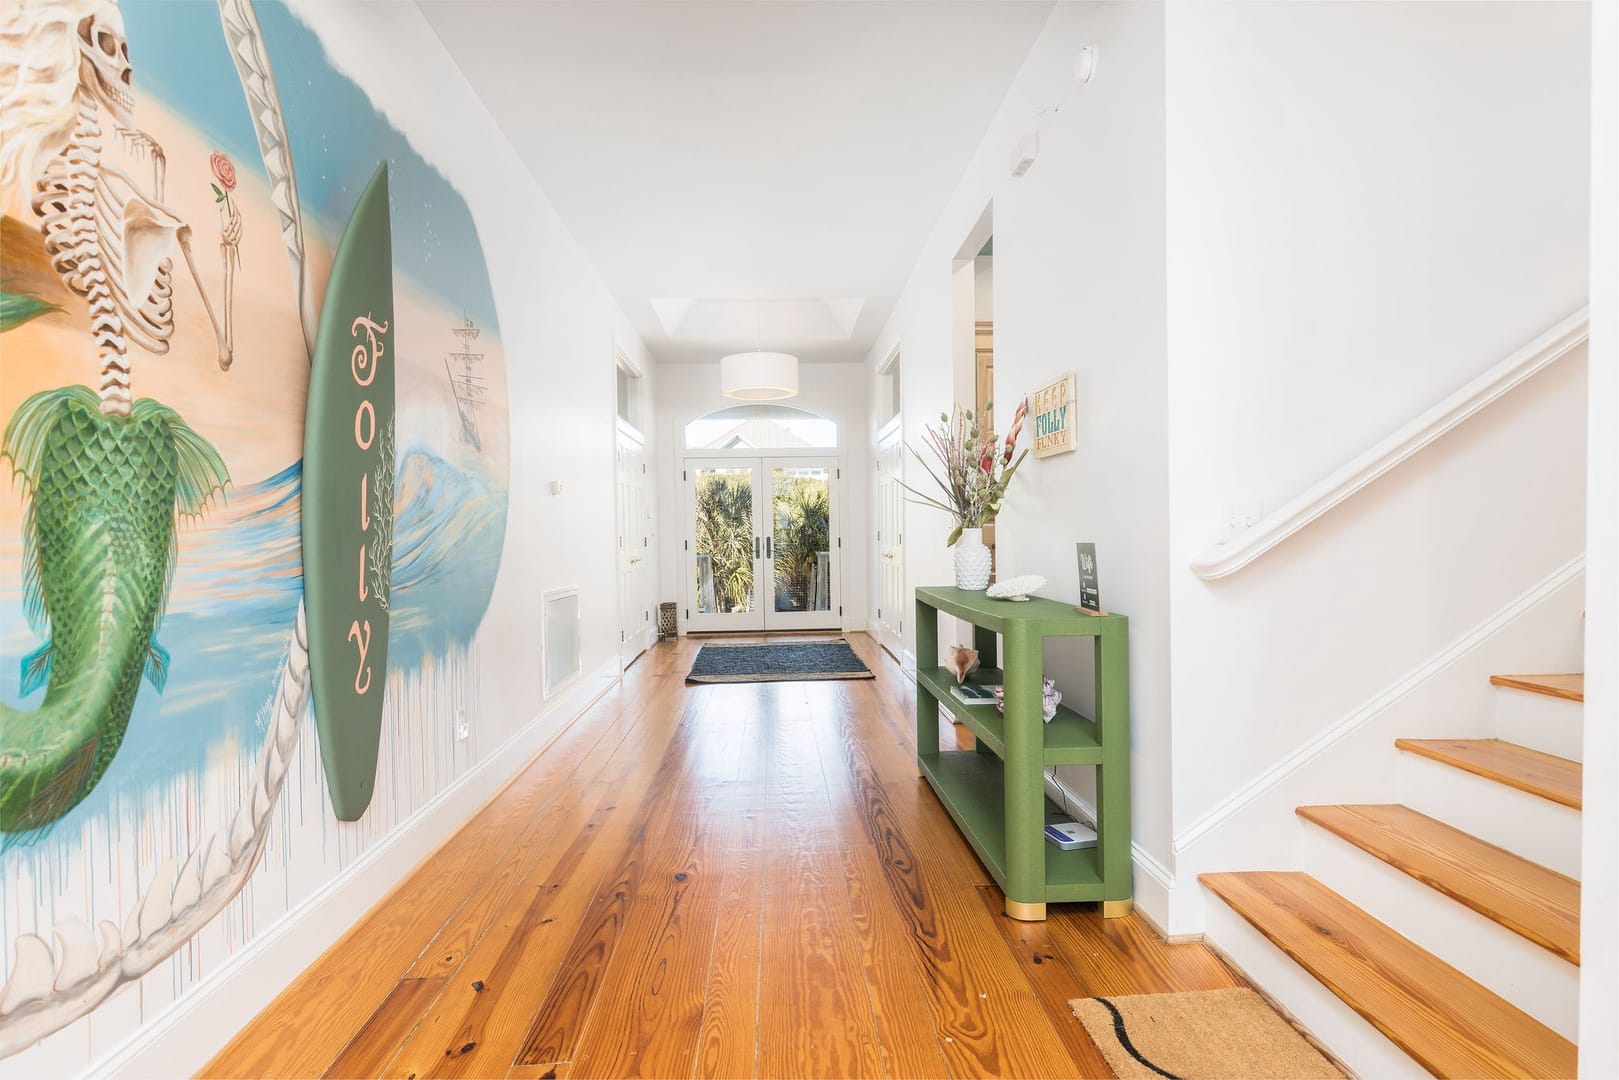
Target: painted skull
104, 62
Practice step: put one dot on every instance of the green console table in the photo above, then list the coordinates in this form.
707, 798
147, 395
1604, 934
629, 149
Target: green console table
996, 792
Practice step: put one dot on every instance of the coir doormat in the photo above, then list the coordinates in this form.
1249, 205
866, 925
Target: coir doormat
1205, 1033
722, 662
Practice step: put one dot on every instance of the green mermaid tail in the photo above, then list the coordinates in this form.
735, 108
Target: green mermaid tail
104, 493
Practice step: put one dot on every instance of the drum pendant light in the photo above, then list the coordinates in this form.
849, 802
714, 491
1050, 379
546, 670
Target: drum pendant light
758, 375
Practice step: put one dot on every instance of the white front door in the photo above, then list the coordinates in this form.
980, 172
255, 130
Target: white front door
634, 549
890, 548
762, 547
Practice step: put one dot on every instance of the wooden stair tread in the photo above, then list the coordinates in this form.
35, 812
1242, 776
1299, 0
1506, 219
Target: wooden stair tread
1525, 897
1550, 777
1448, 1023
1571, 687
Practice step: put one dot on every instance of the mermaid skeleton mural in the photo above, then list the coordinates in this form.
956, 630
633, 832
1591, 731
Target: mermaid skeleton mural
106, 477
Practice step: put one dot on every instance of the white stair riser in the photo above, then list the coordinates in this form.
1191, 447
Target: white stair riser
1524, 824
1352, 1039
1540, 983
1551, 725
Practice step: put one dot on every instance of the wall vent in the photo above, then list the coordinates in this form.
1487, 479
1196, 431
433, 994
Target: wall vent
560, 638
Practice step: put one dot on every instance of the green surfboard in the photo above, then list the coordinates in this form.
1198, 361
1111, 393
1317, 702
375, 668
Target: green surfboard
348, 504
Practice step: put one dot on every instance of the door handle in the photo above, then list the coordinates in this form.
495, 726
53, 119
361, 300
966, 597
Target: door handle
755, 547
767, 547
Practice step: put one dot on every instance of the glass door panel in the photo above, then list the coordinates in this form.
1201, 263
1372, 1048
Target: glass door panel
800, 550
725, 547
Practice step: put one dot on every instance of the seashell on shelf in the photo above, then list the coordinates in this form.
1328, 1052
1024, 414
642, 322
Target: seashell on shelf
1018, 588
963, 661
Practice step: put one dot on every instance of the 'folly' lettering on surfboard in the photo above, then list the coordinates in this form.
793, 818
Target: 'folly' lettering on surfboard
363, 363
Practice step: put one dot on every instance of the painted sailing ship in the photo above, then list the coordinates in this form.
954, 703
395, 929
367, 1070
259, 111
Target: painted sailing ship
465, 383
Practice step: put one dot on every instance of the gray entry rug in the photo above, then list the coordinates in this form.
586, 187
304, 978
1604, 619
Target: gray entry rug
719, 662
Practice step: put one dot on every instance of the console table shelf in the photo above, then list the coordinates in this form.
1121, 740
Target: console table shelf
996, 793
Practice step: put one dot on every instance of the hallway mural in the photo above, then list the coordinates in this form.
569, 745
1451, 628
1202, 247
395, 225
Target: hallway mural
173, 181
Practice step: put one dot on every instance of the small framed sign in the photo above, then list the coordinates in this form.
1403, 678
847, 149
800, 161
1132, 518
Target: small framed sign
1053, 409
1090, 596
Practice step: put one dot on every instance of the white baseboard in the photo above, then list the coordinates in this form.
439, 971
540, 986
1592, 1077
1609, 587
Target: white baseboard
185, 1036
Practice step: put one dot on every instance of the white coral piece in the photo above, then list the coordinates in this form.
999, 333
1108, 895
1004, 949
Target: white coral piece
1018, 588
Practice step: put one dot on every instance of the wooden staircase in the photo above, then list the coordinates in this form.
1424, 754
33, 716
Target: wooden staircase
1439, 1016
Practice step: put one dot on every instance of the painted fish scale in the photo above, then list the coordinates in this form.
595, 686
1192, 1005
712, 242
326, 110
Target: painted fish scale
104, 540
104, 492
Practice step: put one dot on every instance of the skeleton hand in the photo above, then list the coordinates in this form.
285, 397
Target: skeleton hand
231, 233
143, 145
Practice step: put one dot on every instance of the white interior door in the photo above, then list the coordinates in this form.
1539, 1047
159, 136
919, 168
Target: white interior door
634, 550
762, 547
890, 550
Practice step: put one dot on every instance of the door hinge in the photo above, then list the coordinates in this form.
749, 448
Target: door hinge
840, 609
682, 475
688, 614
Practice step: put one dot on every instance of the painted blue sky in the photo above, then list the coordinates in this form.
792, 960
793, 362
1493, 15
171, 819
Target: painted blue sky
337, 137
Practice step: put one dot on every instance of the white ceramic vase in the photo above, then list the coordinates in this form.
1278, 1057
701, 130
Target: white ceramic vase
972, 560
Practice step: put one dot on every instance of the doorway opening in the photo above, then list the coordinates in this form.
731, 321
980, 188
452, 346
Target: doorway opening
984, 358
972, 335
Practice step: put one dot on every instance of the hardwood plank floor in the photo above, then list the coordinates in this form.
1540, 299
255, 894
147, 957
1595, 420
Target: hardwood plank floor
712, 881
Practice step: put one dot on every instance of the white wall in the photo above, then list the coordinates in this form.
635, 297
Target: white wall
1350, 239
1265, 236
837, 391
1078, 286
558, 326
1599, 917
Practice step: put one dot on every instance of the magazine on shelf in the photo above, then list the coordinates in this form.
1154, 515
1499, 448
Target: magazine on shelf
973, 694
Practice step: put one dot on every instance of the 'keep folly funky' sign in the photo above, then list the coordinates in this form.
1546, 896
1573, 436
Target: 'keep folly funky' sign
1052, 410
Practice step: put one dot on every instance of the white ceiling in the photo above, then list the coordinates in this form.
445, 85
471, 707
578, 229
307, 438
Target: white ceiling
706, 153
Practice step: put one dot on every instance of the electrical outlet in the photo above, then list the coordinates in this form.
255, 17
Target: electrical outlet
463, 730
1237, 518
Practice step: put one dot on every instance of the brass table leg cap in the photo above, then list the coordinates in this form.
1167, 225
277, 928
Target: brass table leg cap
1025, 912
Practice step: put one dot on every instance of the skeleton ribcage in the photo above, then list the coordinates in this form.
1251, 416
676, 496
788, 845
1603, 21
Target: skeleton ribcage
82, 220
